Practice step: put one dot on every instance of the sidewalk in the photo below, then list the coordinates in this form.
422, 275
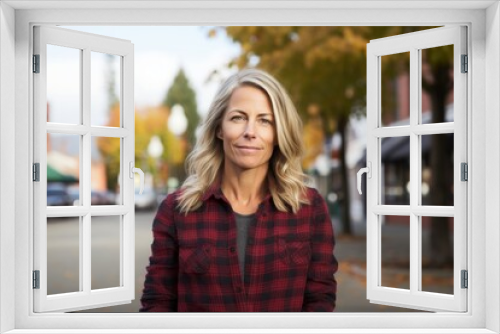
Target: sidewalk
351, 276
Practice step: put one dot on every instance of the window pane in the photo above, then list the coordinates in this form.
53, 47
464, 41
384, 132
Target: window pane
63, 255
63, 169
437, 254
395, 248
105, 170
437, 169
105, 89
437, 85
105, 252
63, 84
395, 95
395, 154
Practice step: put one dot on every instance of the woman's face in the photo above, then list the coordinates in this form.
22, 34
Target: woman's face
248, 130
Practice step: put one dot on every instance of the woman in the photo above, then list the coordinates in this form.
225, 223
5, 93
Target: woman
244, 232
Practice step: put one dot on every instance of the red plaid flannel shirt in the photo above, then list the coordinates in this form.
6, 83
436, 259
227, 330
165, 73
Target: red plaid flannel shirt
289, 261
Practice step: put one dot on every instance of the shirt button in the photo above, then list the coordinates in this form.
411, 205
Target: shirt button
239, 289
251, 241
232, 249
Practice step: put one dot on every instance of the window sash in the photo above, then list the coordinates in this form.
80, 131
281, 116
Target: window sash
413, 297
86, 297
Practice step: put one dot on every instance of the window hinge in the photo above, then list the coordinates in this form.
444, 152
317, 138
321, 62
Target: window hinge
464, 171
465, 64
36, 63
36, 172
36, 279
465, 279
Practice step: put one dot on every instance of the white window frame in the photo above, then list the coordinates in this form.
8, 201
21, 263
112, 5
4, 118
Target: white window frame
483, 21
85, 297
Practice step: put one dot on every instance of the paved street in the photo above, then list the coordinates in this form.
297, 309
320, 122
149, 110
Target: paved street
63, 262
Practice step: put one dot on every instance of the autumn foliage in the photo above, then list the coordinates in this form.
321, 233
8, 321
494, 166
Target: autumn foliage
148, 123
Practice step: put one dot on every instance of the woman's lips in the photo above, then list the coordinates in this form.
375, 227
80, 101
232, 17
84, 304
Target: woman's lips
248, 148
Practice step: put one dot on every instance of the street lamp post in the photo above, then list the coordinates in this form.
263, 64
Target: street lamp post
177, 121
155, 150
177, 124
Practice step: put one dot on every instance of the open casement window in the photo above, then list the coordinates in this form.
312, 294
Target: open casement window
71, 165
410, 142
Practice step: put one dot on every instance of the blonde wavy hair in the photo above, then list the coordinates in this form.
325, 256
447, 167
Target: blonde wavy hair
286, 180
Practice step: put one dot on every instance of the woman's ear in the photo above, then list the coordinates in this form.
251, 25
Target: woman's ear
219, 133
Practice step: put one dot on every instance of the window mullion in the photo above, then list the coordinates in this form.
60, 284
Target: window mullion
85, 275
127, 154
85, 226
70, 129
415, 162
434, 128
394, 210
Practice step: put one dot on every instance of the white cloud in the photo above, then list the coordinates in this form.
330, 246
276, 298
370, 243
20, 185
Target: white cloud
198, 72
63, 84
154, 73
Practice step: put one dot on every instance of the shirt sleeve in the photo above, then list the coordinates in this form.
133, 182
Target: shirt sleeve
160, 285
321, 286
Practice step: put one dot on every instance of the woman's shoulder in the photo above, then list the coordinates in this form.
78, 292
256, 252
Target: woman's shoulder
313, 195
315, 199
171, 199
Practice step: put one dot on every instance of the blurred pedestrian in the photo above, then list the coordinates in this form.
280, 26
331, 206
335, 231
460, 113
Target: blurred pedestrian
244, 232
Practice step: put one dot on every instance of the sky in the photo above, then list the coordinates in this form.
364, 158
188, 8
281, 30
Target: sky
159, 53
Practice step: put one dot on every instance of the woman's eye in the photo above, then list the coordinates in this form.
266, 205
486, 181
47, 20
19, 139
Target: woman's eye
236, 118
266, 121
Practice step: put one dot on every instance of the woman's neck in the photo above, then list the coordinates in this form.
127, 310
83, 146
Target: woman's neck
244, 189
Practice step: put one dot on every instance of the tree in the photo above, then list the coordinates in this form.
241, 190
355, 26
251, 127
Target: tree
321, 67
148, 123
181, 93
110, 149
111, 82
437, 81
152, 122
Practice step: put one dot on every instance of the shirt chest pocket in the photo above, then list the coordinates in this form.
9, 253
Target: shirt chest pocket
295, 252
195, 259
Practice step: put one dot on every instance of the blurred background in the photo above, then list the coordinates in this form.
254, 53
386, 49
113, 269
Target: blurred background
177, 71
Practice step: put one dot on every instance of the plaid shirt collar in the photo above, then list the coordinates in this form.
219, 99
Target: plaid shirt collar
215, 190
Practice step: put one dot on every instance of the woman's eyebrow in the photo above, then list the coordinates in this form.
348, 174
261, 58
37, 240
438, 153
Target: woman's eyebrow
244, 113
237, 111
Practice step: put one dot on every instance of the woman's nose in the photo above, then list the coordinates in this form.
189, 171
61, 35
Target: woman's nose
250, 129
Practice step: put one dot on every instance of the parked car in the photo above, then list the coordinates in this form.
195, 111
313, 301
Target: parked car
57, 195
147, 200
96, 197
74, 195
101, 198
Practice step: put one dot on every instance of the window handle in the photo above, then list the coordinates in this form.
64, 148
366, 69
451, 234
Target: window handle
133, 170
368, 171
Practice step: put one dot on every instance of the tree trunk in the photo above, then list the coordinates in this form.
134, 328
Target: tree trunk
440, 243
345, 196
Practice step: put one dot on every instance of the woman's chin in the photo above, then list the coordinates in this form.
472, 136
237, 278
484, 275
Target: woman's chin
250, 165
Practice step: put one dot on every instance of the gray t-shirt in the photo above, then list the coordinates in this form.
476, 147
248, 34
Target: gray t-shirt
242, 224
